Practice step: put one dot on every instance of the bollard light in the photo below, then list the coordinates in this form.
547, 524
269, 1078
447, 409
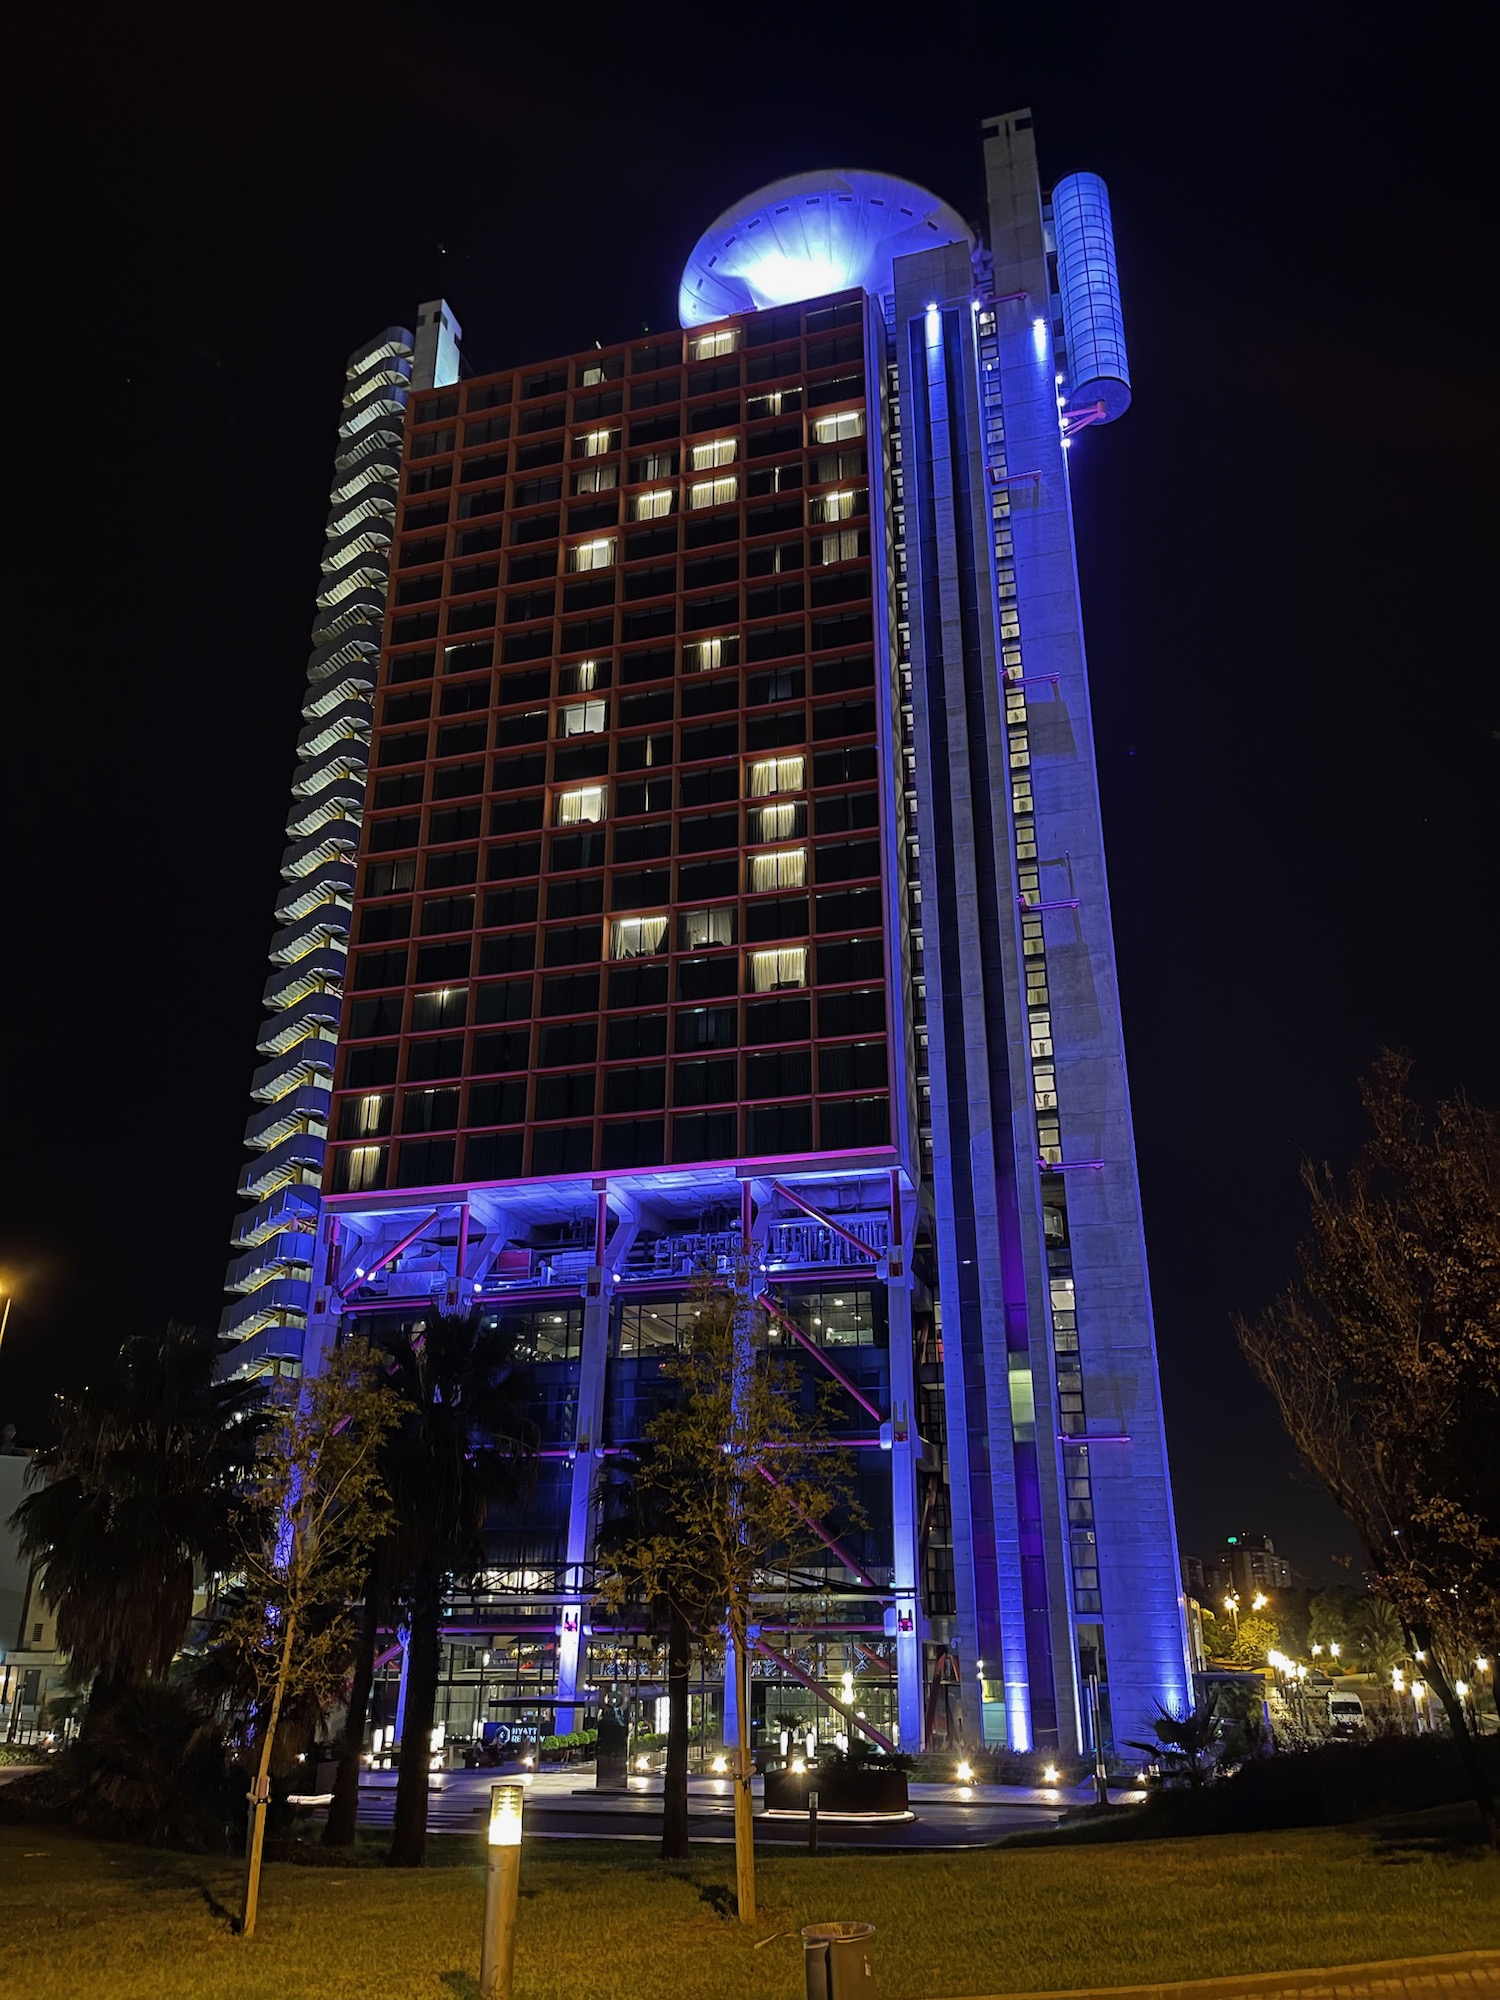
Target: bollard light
965, 1772
1051, 1775
505, 1815
502, 1889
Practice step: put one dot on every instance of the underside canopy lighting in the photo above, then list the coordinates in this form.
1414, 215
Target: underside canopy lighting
810, 235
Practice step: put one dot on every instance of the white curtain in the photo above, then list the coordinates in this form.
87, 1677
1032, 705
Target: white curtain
714, 926
574, 807
775, 774
636, 937
784, 967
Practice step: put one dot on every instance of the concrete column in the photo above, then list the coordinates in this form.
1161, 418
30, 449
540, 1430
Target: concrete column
587, 1438
905, 1510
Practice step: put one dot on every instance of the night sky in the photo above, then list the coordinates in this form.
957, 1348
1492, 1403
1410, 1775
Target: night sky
1280, 549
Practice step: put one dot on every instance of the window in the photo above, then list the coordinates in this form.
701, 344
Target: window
713, 492
704, 1135
447, 1008
365, 1117
594, 444
716, 451
708, 346
592, 555
779, 822
836, 506
636, 937
583, 718
582, 676
775, 774
363, 1167
596, 479
701, 927
703, 655
771, 970
839, 424
773, 403
651, 506
572, 808
842, 547
786, 868
653, 465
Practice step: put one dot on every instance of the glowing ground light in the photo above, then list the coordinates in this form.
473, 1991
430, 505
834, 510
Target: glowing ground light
1051, 1775
720, 1767
965, 1772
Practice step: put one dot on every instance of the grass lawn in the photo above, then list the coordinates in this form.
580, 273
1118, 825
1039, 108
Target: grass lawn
81, 1917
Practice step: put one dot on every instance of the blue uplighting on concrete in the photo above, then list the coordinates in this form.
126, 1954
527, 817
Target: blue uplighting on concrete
809, 235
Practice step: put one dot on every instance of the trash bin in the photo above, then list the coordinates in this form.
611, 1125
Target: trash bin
838, 1961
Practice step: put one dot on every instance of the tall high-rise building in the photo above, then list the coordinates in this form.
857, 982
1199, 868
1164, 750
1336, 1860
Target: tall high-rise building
728, 881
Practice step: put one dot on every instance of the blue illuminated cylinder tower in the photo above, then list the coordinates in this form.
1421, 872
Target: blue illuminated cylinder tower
726, 889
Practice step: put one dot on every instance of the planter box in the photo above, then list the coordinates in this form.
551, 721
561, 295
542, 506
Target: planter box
870, 1790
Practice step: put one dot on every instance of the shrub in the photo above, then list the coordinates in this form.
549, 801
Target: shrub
1326, 1785
150, 1767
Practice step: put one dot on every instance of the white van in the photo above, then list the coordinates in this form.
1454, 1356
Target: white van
1346, 1713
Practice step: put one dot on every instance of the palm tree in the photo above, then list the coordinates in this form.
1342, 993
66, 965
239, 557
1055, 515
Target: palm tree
139, 1493
1185, 1744
1378, 1635
462, 1445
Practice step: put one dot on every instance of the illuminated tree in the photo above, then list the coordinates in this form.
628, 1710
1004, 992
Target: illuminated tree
731, 1492
1384, 1361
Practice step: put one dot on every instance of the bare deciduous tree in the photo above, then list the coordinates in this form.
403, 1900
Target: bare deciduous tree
1384, 1360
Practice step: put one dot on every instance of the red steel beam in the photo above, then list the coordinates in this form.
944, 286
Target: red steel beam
364, 1277
822, 1533
789, 1325
826, 1694
827, 1221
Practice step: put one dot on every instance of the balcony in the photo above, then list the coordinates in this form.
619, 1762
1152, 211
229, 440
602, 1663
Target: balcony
370, 537
286, 1255
392, 343
366, 608
346, 760
267, 1307
343, 800
342, 722
322, 928
272, 1343
296, 1159
337, 841
376, 402
291, 1207
315, 1016
304, 1110
291, 983
309, 1062
332, 883
380, 464
355, 651
381, 438
376, 503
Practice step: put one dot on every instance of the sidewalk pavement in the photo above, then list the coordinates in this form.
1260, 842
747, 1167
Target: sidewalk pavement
1460, 1975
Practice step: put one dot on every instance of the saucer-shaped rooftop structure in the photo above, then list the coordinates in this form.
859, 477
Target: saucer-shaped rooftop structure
809, 235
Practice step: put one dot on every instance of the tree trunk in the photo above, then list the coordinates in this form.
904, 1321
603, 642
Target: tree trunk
744, 1823
423, 1658
343, 1814
260, 1795
1470, 1754
674, 1808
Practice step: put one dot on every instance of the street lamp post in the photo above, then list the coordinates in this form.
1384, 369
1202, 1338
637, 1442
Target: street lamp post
502, 1889
1232, 1606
